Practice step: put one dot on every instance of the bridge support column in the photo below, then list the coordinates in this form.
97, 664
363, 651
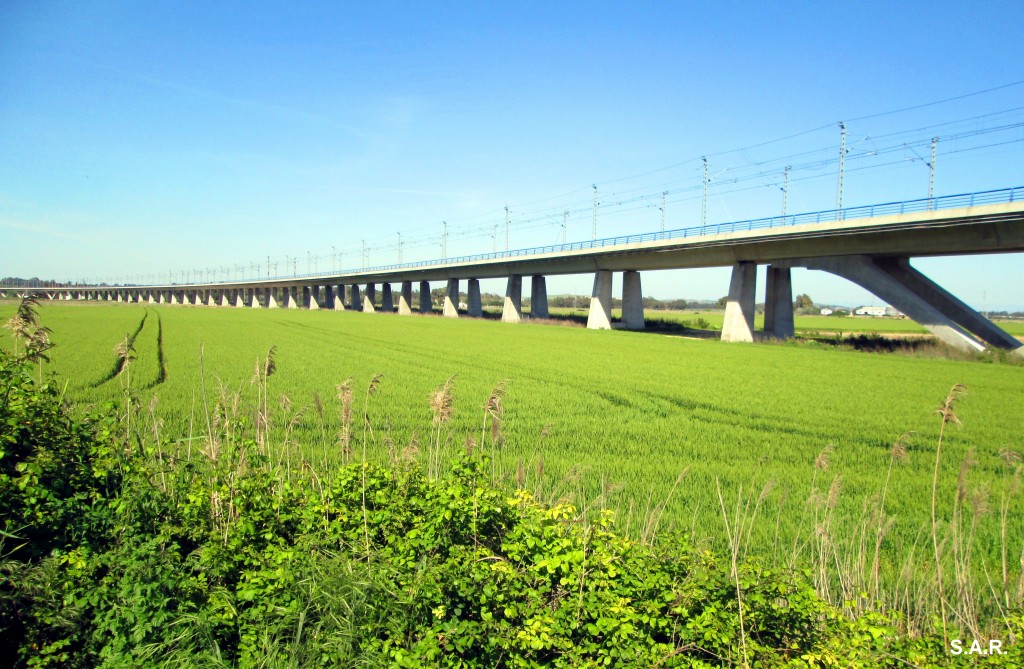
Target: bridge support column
475, 306
355, 302
778, 303
240, 297
272, 298
339, 298
387, 301
739, 310
451, 299
948, 304
328, 302
211, 298
902, 286
369, 298
426, 303
539, 297
632, 301
512, 311
225, 297
309, 297
254, 298
405, 299
600, 317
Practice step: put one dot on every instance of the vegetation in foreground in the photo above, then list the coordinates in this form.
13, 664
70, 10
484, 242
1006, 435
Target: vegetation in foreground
117, 553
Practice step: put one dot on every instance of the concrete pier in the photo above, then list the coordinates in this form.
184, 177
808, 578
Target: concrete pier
226, 298
739, 310
426, 303
600, 317
355, 301
310, 297
387, 301
474, 306
948, 304
272, 302
778, 304
240, 297
339, 298
512, 310
451, 299
539, 297
328, 302
369, 298
632, 301
405, 299
254, 298
898, 284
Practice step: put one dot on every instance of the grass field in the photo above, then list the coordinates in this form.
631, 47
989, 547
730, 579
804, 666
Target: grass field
800, 440
804, 324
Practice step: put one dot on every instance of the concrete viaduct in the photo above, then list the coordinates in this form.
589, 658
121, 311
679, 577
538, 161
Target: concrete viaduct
870, 246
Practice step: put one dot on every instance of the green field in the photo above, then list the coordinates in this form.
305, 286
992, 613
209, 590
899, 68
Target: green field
805, 325
799, 439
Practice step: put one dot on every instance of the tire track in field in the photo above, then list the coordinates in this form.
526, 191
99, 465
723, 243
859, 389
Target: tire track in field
161, 373
119, 362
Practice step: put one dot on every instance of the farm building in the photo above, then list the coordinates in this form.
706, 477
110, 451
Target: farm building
876, 311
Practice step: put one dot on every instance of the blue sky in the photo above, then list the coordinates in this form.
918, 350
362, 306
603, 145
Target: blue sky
140, 139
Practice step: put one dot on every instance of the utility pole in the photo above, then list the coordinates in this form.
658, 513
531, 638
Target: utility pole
704, 197
494, 237
268, 267
664, 202
364, 253
785, 190
444, 241
309, 262
931, 174
593, 225
842, 158
295, 266
506, 227
565, 226
334, 258
399, 248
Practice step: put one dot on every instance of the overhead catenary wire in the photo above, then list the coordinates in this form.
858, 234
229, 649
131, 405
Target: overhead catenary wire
795, 167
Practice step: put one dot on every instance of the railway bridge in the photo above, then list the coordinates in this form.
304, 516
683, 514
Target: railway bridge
869, 245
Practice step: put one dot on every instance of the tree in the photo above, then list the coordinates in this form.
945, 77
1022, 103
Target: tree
722, 301
803, 301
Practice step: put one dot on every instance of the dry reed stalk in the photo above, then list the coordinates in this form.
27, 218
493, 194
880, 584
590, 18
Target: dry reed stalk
733, 556
345, 431
948, 417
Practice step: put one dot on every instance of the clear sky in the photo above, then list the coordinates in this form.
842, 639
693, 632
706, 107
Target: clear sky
139, 139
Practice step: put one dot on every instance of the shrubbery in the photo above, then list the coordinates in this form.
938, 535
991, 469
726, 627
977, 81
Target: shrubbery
116, 554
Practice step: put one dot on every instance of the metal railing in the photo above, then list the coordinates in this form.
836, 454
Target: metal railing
1000, 196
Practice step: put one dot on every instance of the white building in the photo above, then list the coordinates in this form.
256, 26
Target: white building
874, 311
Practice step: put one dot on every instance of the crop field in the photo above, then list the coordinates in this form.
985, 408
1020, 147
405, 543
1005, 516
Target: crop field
805, 325
793, 447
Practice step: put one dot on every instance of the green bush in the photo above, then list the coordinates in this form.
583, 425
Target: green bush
117, 555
